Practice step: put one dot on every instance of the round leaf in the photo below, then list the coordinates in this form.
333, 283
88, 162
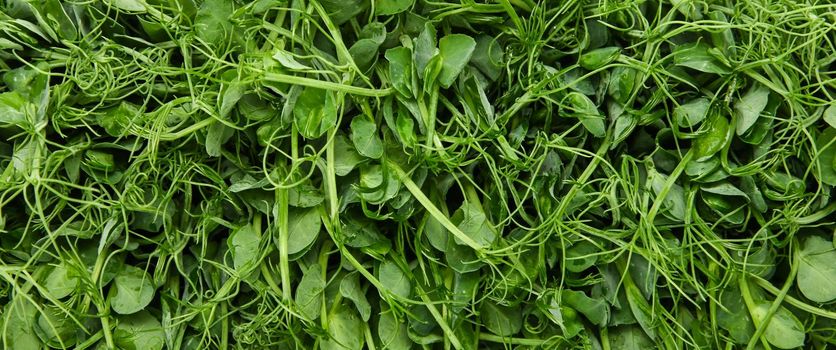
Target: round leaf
817, 270
140, 331
501, 320
784, 330
131, 291
303, 225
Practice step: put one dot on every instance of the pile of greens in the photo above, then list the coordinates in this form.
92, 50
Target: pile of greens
417, 174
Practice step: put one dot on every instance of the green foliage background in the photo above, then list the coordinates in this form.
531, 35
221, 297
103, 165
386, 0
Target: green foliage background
416, 174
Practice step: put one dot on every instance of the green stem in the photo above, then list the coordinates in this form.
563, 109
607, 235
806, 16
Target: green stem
778, 298
511, 341
750, 305
660, 198
793, 301
431, 208
327, 85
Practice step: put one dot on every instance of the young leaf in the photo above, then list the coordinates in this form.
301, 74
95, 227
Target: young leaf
132, 290
425, 48
692, 113
346, 157
350, 289
455, 50
817, 270
717, 136
19, 317
474, 223
784, 330
696, 56
830, 115
500, 320
309, 292
392, 333
630, 338
304, 225
60, 282
244, 244
598, 58
750, 106
345, 330
139, 331
212, 23
584, 109
400, 70
826, 157
55, 328
315, 112
365, 139
396, 280
391, 7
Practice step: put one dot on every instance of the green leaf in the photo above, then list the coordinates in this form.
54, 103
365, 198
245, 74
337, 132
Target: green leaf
596, 310
392, 333
364, 52
19, 317
231, 91
579, 256
696, 56
60, 282
212, 24
724, 188
346, 157
488, 56
132, 290
455, 50
425, 48
140, 331
581, 107
341, 11
391, 7
474, 223
830, 115
378, 184
750, 106
303, 226
216, 136
436, 233
826, 157
674, 201
713, 141
244, 245
12, 110
345, 330
288, 61
350, 289
400, 70
130, 5
55, 328
500, 320
641, 311
817, 270
309, 292
621, 84
598, 58
396, 280
692, 113
365, 139
630, 338
304, 196
116, 121
733, 316
315, 112
784, 330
